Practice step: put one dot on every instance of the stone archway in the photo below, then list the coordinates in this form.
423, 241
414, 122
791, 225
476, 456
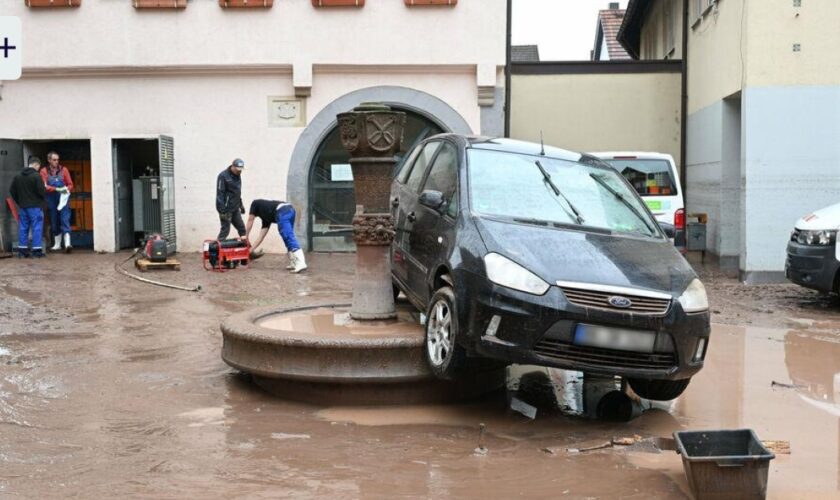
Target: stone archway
297, 181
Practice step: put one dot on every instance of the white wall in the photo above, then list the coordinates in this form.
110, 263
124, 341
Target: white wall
213, 119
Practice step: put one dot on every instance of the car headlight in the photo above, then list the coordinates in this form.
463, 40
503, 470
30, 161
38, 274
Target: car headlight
822, 237
505, 272
694, 298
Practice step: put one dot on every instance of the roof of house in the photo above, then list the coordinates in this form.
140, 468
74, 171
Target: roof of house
630, 34
609, 23
524, 53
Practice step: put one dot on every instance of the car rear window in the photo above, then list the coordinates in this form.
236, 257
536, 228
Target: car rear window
648, 177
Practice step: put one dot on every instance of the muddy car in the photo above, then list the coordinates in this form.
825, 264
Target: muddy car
527, 254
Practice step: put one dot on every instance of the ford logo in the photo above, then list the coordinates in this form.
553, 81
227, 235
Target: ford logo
620, 302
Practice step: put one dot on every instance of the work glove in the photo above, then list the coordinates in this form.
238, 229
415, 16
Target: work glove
62, 190
226, 217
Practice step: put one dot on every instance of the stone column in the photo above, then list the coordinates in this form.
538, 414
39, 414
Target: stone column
373, 134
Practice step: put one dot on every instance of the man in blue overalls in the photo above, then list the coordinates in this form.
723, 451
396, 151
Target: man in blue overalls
58, 182
27, 190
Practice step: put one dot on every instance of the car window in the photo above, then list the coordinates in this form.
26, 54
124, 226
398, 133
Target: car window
513, 185
648, 177
442, 177
404, 167
419, 167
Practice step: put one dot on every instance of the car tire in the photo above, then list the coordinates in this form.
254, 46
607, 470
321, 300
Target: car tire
658, 390
444, 355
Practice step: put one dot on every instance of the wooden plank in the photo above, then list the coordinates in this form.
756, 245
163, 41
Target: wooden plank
144, 264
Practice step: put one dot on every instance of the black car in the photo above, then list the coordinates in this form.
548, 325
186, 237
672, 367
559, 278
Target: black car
528, 254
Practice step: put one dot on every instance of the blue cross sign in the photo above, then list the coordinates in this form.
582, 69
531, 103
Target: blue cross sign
11, 41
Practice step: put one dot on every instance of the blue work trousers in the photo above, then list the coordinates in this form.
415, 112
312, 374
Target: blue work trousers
31, 219
59, 219
286, 226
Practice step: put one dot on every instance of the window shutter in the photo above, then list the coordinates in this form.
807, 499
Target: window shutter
256, 4
338, 3
53, 3
160, 4
412, 3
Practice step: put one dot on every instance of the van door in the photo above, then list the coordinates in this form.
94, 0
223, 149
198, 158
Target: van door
406, 213
434, 229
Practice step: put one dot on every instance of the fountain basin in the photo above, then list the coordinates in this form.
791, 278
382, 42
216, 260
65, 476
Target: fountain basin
319, 354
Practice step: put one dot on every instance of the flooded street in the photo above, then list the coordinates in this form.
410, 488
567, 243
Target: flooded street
110, 387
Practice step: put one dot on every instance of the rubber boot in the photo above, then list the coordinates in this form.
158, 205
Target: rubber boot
291, 264
67, 246
57, 245
299, 261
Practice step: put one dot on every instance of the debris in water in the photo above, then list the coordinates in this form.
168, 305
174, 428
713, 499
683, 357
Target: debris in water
283, 435
522, 407
626, 441
548, 451
481, 450
780, 447
785, 386
590, 448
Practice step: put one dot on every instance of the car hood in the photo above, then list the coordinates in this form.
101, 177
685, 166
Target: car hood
824, 218
567, 255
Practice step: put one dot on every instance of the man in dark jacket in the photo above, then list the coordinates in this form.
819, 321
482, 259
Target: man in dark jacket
29, 193
229, 199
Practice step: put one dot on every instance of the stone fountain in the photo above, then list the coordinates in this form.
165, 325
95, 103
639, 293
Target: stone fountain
367, 352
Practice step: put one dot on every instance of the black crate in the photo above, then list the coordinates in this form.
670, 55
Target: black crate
724, 464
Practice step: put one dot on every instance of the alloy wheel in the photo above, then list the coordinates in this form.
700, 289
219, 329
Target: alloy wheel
439, 334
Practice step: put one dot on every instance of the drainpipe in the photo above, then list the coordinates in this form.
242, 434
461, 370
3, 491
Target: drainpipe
507, 67
684, 100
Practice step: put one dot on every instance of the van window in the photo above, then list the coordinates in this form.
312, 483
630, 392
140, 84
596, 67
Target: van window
418, 170
648, 177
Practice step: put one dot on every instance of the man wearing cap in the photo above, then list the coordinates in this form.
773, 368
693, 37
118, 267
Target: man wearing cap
229, 199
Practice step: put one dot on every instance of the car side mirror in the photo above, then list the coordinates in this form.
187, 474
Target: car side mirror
669, 229
432, 199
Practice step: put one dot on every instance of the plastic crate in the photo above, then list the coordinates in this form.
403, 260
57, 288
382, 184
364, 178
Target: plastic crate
724, 464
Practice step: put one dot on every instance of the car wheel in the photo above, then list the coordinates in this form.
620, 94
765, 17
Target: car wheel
658, 390
444, 355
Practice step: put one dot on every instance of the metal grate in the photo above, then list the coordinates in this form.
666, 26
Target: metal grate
600, 299
596, 356
166, 152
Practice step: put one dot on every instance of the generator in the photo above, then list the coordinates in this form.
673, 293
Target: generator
155, 249
223, 255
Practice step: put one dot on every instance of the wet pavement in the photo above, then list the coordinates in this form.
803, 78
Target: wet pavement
110, 387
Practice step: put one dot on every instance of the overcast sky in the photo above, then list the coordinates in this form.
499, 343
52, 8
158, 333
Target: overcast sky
564, 29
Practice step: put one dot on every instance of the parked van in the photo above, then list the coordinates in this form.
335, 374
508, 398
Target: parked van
813, 257
654, 176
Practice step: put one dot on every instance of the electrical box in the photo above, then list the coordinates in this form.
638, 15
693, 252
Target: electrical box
695, 236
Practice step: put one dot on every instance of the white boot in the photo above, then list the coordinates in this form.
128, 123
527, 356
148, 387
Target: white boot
57, 245
299, 261
67, 245
291, 264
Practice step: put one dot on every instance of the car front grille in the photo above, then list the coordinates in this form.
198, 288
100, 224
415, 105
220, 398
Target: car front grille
608, 358
600, 299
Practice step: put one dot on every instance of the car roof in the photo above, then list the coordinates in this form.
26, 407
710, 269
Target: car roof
640, 155
505, 145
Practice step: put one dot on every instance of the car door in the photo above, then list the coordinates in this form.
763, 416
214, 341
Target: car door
403, 202
433, 229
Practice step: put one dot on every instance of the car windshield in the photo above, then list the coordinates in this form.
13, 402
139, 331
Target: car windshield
648, 177
516, 186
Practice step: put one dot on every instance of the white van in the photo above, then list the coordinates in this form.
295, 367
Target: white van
655, 178
813, 257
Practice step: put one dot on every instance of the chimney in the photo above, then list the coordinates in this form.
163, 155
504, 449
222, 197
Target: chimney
613, 5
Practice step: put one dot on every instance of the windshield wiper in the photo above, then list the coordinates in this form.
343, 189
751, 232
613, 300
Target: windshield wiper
621, 198
557, 192
538, 222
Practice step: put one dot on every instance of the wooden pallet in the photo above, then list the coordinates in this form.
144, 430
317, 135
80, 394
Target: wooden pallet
144, 264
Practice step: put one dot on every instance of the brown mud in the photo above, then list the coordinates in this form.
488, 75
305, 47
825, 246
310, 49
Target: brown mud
110, 387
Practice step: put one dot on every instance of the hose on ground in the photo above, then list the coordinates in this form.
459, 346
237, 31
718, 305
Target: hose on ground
119, 268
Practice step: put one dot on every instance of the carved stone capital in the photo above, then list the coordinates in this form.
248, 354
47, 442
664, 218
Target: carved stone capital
372, 130
373, 229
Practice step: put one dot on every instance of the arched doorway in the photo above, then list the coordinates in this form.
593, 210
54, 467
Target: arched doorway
331, 200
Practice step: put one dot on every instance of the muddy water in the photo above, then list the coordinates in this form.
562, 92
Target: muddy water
110, 387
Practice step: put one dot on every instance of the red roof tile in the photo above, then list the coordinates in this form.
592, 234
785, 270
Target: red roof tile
610, 22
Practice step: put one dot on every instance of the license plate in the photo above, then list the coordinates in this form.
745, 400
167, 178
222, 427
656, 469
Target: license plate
614, 338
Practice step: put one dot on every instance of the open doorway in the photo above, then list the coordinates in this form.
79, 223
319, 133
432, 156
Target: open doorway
74, 155
143, 190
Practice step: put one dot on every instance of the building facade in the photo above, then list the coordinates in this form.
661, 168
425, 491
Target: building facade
762, 117
133, 93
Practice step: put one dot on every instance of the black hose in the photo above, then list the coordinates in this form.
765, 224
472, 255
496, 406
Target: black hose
118, 267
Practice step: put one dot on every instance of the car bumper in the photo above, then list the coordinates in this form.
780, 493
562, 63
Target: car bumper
812, 266
540, 330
